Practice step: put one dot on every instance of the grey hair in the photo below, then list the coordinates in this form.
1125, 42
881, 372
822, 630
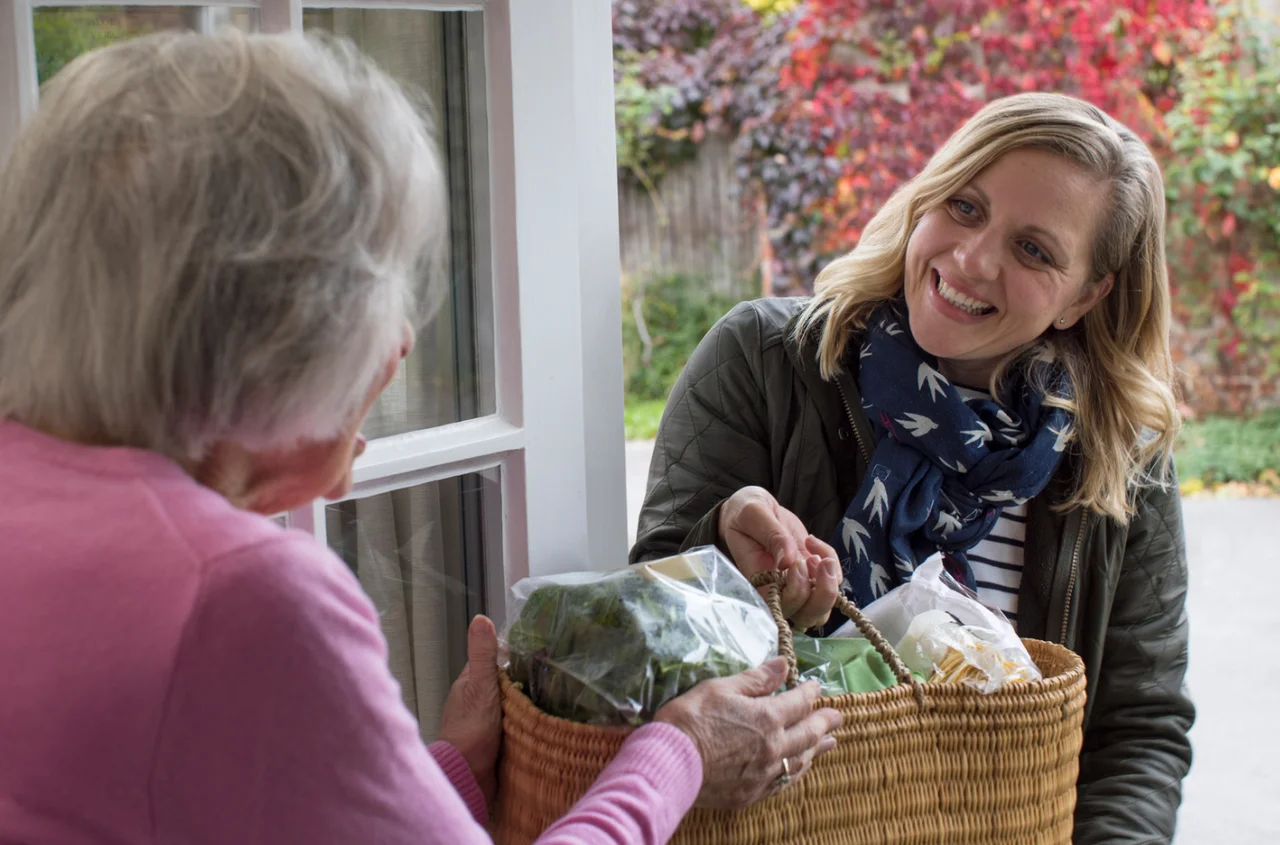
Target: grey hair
208, 238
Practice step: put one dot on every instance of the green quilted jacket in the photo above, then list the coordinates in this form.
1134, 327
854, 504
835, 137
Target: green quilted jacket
752, 409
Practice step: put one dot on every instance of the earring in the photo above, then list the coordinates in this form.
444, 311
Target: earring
1062, 321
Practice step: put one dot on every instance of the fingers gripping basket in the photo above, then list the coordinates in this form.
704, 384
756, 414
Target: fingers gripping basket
917, 763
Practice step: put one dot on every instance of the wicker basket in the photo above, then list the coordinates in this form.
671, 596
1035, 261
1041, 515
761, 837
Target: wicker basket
915, 764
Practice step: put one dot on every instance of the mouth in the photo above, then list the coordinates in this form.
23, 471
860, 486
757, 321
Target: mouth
967, 304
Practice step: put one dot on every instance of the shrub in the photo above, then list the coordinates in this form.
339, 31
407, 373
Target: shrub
63, 34
1221, 450
1223, 183
663, 319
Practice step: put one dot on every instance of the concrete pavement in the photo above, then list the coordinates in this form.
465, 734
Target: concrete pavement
1233, 548
1233, 792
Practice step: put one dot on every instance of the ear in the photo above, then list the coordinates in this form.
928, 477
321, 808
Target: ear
1089, 297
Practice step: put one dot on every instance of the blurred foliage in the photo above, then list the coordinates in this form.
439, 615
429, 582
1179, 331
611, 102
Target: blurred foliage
1223, 181
642, 416
1222, 450
61, 34
675, 311
834, 104
877, 87
772, 7
715, 62
639, 111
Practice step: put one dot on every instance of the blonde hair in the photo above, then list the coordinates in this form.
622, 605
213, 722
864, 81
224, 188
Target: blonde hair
211, 238
1117, 359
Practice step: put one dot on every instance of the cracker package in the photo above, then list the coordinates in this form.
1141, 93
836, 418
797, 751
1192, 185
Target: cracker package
944, 633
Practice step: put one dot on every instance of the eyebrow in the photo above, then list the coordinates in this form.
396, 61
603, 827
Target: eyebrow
1060, 254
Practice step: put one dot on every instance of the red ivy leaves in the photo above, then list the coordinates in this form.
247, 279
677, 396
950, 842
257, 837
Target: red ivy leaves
835, 105
882, 84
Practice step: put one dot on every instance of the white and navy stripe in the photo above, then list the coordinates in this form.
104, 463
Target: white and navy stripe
997, 559
997, 562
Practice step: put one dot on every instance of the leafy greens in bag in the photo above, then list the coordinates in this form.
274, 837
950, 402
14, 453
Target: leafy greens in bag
613, 647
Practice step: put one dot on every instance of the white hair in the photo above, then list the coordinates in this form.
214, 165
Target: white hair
208, 238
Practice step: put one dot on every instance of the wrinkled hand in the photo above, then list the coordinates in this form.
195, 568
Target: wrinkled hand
472, 718
743, 733
762, 535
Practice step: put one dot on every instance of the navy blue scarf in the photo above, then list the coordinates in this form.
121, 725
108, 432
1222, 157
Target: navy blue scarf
944, 466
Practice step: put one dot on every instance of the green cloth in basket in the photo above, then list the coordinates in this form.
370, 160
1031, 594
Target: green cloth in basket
842, 664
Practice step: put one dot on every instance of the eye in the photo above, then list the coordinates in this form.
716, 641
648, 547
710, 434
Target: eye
1035, 253
963, 207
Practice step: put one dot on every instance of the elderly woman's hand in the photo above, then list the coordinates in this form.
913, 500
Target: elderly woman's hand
744, 733
472, 718
762, 535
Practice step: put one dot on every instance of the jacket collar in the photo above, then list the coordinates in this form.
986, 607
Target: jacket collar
831, 396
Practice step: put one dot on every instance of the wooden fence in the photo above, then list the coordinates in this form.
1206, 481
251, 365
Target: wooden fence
697, 226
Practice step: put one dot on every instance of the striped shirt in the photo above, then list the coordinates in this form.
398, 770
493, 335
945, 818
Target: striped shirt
997, 559
997, 562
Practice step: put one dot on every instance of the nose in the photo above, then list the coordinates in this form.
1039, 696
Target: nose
978, 256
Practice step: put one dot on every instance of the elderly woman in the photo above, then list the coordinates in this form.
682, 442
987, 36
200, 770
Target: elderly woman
209, 251
986, 374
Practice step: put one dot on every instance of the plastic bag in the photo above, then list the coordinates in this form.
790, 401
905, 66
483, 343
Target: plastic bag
943, 632
613, 647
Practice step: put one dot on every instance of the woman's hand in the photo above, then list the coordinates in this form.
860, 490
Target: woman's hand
472, 718
744, 733
762, 535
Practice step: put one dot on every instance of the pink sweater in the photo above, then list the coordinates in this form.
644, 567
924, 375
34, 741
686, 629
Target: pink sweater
173, 670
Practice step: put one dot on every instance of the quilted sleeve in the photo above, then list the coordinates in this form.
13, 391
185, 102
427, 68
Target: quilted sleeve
712, 441
1136, 750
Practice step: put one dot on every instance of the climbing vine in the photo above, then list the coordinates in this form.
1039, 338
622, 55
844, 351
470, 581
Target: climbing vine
833, 104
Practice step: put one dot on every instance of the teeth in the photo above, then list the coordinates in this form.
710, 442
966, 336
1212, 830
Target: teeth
956, 298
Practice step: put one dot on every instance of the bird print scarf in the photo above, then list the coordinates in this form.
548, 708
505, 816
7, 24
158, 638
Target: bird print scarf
944, 466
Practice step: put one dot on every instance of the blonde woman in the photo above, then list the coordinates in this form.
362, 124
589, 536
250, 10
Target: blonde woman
987, 374
210, 249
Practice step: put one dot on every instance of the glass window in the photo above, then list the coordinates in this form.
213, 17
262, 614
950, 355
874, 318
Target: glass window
64, 32
450, 375
422, 554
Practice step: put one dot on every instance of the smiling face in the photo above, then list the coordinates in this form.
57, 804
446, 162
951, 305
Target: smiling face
1003, 260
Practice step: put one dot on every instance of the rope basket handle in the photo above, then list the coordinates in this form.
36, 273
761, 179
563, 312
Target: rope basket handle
771, 582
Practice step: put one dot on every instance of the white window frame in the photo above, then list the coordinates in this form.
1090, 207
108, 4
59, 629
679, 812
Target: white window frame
557, 434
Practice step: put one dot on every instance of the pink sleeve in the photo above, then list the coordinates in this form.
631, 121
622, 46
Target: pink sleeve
658, 767
283, 724
457, 770
641, 797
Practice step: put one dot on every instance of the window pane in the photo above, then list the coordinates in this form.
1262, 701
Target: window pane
421, 554
64, 32
450, 375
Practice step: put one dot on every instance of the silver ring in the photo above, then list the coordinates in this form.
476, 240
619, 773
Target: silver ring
784, 778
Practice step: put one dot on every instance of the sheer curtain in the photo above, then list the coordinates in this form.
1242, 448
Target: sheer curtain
399, 546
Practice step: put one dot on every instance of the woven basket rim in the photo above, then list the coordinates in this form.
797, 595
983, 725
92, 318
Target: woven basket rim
936, 694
